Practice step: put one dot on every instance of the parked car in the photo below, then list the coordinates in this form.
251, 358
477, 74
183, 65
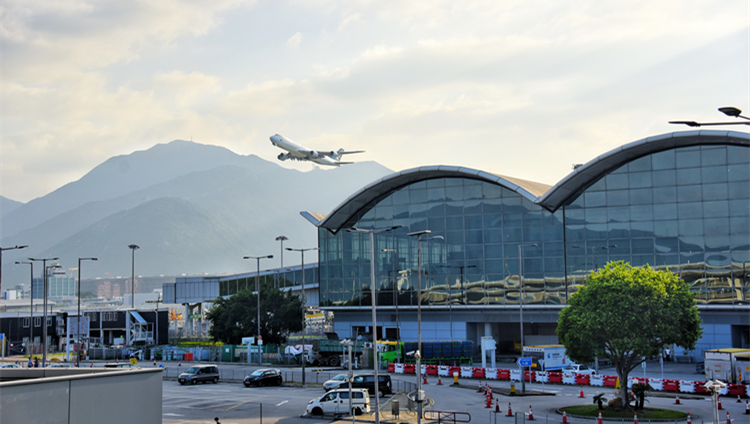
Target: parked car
264, 377
122, 365
367, 381
578, 369
338, 381
10, 366
200, 373
336, 402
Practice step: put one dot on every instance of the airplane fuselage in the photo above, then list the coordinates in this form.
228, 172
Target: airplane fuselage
299, 152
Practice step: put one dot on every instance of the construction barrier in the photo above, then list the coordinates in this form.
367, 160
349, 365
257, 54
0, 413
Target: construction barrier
610, 381
687, 386
699, 387
597, 380
671, 385
398, 368
444, 370
466, 372
582, 379
569, 378
515, 375
477, 372
424, 369
392, 368
491, 373
555, 377
736, 390
656, 383
453, 370
409, 369
432, 370
529, 375
541, 377
503, 374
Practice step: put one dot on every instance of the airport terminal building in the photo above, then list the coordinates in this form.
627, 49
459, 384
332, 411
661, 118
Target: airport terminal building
678, 201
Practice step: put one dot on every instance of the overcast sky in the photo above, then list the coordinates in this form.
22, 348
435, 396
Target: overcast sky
520, 88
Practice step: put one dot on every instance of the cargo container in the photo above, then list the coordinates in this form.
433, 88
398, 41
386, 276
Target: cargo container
723, 364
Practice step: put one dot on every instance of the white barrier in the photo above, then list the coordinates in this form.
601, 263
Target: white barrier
541, 377
444, 370
596, 380
399, 368
687, 386
515, 375
424, 369
724, 390
467, 372
490, 373
569, 378
656, 383
631, 381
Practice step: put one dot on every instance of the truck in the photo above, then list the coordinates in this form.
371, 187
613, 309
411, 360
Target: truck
326, 352
548, 357
459, 352
725, 364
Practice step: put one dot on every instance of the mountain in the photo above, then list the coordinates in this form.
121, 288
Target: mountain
186, 221
8, 205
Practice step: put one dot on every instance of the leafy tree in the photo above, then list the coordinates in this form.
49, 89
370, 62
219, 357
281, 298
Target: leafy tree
628, 314
235, 317
640, 389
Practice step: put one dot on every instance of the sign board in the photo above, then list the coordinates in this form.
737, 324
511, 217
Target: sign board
260, 341
79, 326
524, 362
248, 340
133, 361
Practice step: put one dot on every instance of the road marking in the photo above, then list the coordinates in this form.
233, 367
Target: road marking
279, 404
173, 415
239, 404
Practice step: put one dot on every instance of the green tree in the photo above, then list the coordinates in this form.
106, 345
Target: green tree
235, 317
628, 314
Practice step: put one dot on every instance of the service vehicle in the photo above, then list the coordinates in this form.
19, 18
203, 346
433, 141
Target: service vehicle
579, 369
336, 402
200, 374
547, 357
264, 377
367, 381
726, 364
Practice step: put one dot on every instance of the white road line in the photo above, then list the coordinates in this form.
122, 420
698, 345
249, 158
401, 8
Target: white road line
279, 404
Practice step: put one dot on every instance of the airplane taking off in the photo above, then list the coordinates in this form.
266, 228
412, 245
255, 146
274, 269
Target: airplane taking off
302, 153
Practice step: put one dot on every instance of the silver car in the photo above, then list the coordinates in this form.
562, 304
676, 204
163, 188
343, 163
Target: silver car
339, 380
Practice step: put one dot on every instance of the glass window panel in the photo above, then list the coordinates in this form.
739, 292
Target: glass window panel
642, 196
554, 265
575, 232
688, 158
665, 212
491, 191
512, 235
691, 227
690, 258
691, 244
401, 197
494, 251
455, 237
453, 182
689, 193
621, 170
666, 229
717, 244
473, 222
618, 230
474, 237
574, 216
740, 207
418, 211
740, 226
738, 154
493, 267
553, 249
474, 252
472, 190
533, 234
513, 219
716, 226
455, 193
436, 224
642, 164
690, 210
400, 211
716, 209
383, 213
492, 206
596, 215
594, 199
664, 178
617, 181
472, 207
436, 209
643, 229
714, 174
639, 179
665, 194
596, 231
419, 185
712, 156
641, 246
738, 172
715, 191
618, 198
599, 185
436, 183
417, 195
667, 260
493, 221
454, 208
533, 218
666, 244
642, 213
643, 260
621, 214
688, 176
493, 236
553, 233
663, 160
738, 190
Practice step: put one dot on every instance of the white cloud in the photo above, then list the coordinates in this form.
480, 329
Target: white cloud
294, 41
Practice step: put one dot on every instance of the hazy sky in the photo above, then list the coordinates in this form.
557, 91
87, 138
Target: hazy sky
521, 88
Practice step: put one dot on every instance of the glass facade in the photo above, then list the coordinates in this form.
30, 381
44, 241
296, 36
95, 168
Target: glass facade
685, 209
282, 278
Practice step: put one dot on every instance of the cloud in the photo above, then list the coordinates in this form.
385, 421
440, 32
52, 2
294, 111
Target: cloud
294, 41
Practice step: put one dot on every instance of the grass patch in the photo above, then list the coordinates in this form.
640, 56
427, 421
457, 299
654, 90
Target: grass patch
646, 413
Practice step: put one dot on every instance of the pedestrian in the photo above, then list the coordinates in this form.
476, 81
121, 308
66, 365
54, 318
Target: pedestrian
217, 420
36, 362
669, 354
31, 364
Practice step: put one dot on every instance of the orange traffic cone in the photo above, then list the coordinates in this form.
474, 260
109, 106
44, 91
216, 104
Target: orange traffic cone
510, 411
689, 420
599, 420
729, 420
117, 360
747, 408
677, 401
92, 364
635, 418
440, 382
565, 418
720, 408
479, 388
531, 414
581, 394
489, 402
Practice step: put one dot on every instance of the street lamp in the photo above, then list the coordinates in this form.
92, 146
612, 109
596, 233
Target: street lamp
282, 239
257, 293
395, 298
418, 354
78, 330
374, 314
3, 249
520, 309
44, 320
132, 247
729, 111
31, 310
44, 294
304, 300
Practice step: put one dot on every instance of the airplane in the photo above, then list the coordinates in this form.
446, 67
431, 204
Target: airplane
302, 153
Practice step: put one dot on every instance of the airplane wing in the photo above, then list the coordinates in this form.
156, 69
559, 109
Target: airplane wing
350, 153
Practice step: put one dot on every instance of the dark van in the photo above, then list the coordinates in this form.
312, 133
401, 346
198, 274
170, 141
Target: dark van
367, 381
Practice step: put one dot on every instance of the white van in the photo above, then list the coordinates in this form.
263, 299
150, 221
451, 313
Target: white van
336, 402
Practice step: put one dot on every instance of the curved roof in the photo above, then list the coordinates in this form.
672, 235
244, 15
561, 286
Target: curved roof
370, 194
591, 172
549, 198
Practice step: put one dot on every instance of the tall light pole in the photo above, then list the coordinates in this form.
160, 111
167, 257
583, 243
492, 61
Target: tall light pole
257, 295
304, 301
374, 306
31, 310
282, 238
521, 297
418, 354
3, 249
44, 295
729, 111
395, 298
44, 320
132, 247
78, 330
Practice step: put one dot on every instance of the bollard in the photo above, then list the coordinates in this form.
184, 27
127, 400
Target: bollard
599, 420
565, 418
635, 418
677, 400
581, 394
531, 414
510, 411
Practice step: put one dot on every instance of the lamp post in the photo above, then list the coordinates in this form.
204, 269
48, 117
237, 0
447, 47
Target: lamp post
395, 299
44, 294
304, 300
374, 314
282, 238
132, 247
520, 309
44, 320
31, 309
418, 354
257, 295
729, 111
3, 249
78, 330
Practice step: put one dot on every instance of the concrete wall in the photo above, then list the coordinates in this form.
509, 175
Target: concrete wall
78, 396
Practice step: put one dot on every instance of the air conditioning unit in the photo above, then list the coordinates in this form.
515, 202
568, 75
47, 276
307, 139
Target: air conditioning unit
60, 331
368, 345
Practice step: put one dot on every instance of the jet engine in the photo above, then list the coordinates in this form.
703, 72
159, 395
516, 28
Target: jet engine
283, 156
314, 154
